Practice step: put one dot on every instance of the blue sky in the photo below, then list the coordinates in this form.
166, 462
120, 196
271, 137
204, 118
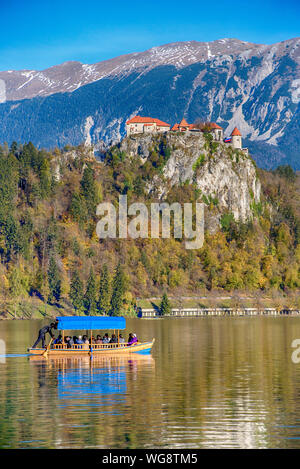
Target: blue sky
37, 34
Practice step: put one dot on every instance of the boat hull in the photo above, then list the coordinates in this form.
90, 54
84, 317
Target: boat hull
143, 348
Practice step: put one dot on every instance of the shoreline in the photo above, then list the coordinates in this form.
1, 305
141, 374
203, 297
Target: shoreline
217, 304
220, 312
186, 314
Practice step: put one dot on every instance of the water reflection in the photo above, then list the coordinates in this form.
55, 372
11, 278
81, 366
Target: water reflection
101, 379
89, 391
211, 382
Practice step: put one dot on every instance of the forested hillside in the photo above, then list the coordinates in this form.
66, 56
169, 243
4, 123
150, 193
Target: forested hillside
51, 258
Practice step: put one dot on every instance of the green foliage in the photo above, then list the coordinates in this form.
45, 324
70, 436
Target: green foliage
164, 149
78, 209
210, 144
165, 306
8, 183
76, 292
287, 172
104, 292
199, 162
88, 190
158, 157
226, 221
90, 297
209, 200
118, 291
114, 156
257, 208
18, 282
54, 281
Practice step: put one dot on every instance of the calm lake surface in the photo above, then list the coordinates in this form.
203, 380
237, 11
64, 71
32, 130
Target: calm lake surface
209, 383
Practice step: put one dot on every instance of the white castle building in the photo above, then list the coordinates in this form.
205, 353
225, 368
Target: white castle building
139, 124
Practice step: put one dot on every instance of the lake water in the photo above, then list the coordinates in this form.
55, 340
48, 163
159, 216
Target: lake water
209, 383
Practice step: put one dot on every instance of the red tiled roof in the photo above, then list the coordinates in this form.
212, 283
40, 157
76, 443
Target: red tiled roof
184, 123
183, 126
236, 132
213, 125
147, 120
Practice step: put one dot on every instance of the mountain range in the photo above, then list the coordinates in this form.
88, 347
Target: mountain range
231, 82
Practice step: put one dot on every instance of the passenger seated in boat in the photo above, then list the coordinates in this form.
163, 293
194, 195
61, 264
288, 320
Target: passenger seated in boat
79, 340
106, 339
121, 339
58, 340
132, 339
113, 339
69, 341
86, 344
99, 340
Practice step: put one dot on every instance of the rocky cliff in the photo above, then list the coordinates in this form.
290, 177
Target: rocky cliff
225, 178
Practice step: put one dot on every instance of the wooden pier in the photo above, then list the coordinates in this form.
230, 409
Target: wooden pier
203, 312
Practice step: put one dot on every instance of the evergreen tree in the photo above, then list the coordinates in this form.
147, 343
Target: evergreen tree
14, 148
88, 190
104, 292
165, 305
12, 236
78, 208
76, 292
118, 292
9, 178
54, 281
45, 178
90, 295
287, 172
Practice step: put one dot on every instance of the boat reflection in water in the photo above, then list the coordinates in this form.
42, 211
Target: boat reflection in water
92, 384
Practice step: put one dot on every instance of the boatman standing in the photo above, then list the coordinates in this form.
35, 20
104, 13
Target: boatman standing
43, 332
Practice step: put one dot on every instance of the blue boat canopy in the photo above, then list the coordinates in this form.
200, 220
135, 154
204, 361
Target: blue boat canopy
74, 323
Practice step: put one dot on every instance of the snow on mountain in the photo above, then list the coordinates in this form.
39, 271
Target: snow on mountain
71, 75
235, 83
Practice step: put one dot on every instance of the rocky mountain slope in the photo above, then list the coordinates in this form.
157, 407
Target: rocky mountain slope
234, 83
69, 76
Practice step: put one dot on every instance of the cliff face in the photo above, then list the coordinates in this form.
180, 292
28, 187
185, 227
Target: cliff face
226, 178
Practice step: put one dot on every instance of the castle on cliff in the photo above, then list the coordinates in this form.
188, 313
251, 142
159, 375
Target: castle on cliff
139, 124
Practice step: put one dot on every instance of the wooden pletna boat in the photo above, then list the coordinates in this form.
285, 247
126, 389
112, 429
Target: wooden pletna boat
90, 324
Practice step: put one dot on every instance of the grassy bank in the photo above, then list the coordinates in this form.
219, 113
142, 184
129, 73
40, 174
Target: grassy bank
226, 300
34, 308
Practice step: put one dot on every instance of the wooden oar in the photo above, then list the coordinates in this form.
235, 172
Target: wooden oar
47, 348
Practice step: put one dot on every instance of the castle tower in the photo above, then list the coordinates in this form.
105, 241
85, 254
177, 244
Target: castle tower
183, 125
236, 138
217, 131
